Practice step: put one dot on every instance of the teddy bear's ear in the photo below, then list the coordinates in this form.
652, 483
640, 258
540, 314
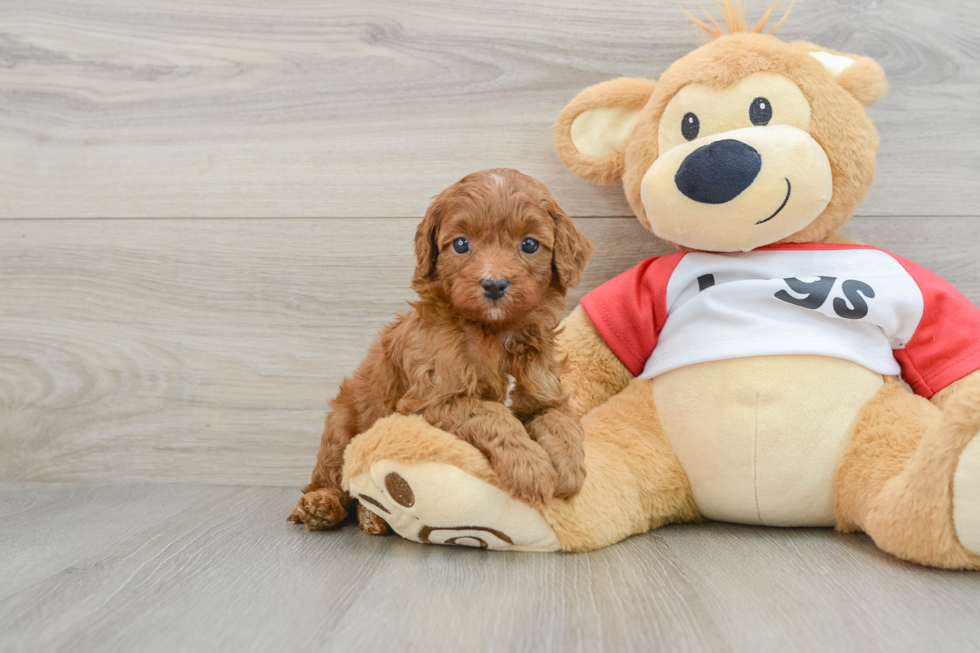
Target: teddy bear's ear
860, 76
592, 129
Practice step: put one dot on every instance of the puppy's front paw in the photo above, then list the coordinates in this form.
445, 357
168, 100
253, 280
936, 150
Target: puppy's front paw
321, 509
569, 462
527, 473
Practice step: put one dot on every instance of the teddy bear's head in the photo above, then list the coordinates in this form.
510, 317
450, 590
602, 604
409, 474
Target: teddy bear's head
744, 142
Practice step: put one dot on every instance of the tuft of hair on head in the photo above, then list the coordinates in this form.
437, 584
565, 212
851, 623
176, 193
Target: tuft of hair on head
733, 13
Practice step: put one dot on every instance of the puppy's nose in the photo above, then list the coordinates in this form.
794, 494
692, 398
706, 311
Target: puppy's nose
494, 288
718, 172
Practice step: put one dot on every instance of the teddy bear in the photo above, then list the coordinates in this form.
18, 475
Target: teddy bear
754, 375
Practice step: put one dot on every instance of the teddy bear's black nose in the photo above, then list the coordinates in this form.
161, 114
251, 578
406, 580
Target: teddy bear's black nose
717, 172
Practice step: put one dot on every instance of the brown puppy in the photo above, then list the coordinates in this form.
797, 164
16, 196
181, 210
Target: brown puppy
495, 256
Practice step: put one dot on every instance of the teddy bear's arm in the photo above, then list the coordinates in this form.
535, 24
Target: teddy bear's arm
592, 373
944, 395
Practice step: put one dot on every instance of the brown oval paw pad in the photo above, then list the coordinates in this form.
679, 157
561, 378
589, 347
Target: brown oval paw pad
399, 490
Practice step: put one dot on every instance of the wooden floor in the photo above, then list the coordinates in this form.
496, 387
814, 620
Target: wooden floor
183, 568
206, 213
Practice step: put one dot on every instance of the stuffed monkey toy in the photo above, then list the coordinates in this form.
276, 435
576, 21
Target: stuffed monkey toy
753, 376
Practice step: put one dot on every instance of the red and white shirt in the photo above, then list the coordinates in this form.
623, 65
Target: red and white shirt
854, 302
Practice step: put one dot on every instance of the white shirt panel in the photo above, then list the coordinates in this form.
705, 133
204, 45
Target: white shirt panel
855, 304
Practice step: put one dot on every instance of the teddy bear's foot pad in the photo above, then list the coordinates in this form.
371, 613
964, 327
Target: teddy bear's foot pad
966, 496
436, 503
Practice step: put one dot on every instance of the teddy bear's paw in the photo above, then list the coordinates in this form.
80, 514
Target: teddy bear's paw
437, 503
966, 496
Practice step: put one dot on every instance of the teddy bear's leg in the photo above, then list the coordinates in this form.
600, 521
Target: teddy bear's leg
432, 487
910, 477
633, 481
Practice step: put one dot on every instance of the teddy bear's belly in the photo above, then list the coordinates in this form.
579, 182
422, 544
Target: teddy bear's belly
760, 438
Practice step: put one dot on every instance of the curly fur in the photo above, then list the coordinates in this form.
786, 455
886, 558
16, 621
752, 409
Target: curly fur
451, 358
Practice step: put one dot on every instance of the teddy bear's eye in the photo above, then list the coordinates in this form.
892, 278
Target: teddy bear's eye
690, 126
760, 112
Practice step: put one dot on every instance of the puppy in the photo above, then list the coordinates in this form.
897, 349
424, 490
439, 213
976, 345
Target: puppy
495, 255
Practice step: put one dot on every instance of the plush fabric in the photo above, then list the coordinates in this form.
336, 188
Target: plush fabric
593, 373
409, 493
768, 434
864, 304
787, 438
627, 95
895, 480
599, 132
756, 216
840, 126
966, 487
635, 482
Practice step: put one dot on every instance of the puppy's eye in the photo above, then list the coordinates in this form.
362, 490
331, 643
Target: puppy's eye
529, 246
760, 111
690, 126
461, 245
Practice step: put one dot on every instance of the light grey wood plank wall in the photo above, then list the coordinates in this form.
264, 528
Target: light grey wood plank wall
366, 108
148, 348
205, 350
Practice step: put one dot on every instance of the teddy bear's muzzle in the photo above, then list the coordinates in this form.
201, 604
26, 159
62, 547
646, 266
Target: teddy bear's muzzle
737, 190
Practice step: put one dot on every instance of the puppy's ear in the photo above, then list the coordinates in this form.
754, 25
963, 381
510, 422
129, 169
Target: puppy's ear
426, 241
571, 251
592, 130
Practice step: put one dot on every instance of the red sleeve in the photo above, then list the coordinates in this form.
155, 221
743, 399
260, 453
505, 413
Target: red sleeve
629, 310
946, 344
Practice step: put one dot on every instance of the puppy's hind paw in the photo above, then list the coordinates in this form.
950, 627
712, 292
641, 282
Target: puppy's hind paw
371, 523
320, 509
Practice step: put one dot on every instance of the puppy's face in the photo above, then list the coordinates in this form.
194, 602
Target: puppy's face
495, 264
496, 243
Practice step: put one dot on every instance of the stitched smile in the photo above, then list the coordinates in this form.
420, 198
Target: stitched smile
789, 189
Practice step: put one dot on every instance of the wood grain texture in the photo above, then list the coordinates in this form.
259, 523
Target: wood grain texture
367, 108
154, 568
204, 350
